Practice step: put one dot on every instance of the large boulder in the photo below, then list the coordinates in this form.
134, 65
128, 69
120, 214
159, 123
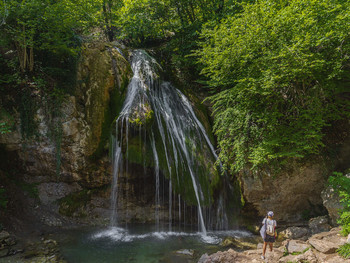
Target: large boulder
295, 232
327, 242
331, 201
319, 224
308, 256
293, 194
296, 246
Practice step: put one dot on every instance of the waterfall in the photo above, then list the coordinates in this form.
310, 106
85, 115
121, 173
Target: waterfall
171, 140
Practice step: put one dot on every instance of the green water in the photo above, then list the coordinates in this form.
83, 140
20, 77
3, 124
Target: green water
139, 244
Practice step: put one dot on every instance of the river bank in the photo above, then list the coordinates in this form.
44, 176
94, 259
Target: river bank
320, 247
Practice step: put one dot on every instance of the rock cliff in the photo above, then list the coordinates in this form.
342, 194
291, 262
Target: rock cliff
82, 150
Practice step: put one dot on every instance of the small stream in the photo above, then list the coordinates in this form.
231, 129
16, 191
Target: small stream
140, 244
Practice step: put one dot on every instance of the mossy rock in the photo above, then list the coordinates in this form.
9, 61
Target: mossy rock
74, 205
103, 77
238, 243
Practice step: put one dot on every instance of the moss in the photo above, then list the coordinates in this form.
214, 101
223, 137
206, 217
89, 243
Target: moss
117, 96
74, 204
135, 154
138, 153
143, 117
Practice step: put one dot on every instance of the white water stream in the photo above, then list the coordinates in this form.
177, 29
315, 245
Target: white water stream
180, 133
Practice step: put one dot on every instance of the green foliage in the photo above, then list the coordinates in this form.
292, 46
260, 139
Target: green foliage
49, 25
143, 20
46, 35
341, 184
275, 69
175, 24
6, 122
4, 128
344, 251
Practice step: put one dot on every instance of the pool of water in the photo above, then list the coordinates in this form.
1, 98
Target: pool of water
140, 244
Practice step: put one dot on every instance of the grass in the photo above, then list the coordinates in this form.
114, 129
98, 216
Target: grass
344, 251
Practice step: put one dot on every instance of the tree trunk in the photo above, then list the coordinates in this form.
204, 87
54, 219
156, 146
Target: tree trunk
107, 13
31, 59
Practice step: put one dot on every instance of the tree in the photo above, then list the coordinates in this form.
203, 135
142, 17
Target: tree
277, 71
46, 25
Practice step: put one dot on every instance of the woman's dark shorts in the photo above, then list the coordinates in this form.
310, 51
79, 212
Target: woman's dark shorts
269, 238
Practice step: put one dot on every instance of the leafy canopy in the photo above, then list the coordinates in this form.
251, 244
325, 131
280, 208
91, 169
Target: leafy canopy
46, 24
277, 70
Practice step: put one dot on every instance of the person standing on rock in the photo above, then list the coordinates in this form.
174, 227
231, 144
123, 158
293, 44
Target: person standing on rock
270, 230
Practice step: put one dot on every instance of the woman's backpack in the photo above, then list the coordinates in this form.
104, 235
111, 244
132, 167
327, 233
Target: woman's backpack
270, 227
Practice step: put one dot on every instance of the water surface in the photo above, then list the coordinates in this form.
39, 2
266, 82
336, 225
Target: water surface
140, 244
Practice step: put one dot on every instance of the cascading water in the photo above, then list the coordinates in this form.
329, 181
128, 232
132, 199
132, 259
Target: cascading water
171, 140
163, 172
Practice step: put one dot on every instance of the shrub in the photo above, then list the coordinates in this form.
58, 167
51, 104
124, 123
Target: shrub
341, 183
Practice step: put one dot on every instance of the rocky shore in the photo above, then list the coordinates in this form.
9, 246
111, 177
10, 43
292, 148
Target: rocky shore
297, 247
39, 251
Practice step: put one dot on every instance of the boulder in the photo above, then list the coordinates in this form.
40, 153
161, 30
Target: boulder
186, 252
296, 246
327, 242
295, 232
330, 258
319, 224
292, 194
323, 246
226, 256
204, 258
331, 202
238, 243
308, 256
298, 251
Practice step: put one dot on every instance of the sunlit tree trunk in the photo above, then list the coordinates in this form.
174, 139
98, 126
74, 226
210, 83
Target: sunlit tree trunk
107, 13
26, 61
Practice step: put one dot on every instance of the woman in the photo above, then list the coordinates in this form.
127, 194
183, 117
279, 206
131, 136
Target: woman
270, 226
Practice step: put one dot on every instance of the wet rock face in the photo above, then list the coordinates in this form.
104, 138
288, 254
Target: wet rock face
293, 194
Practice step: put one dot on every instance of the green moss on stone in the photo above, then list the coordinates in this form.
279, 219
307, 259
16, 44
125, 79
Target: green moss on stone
116, 99
73, 204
